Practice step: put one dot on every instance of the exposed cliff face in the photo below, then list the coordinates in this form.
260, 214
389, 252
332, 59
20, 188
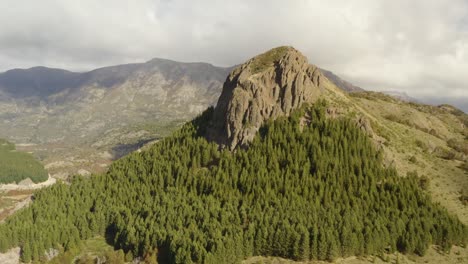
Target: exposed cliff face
267, 86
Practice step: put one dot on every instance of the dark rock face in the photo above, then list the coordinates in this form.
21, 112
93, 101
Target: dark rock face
267, 86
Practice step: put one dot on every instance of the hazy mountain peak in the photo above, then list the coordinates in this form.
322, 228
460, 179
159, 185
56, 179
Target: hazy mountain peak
169, 61
400, 96
37, 81
340, 83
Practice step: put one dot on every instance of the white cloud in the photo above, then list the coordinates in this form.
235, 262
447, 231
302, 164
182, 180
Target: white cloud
417, 46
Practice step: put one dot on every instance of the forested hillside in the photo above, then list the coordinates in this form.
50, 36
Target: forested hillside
17, 166
308, 187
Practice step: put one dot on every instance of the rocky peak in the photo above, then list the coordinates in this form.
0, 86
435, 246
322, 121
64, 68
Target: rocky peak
269, 85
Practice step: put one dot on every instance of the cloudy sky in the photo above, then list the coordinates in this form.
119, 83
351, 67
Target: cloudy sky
417, 46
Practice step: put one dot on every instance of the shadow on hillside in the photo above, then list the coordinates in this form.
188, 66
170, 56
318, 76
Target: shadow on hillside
121, 150
163, 252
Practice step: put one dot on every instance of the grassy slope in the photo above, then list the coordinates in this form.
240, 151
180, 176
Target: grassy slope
447, 180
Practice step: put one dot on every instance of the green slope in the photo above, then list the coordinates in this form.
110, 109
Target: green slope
17, 166
308, 187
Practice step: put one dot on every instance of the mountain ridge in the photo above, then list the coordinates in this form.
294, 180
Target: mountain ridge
34, 76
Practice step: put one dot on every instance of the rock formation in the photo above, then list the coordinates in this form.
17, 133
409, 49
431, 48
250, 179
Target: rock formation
267, 86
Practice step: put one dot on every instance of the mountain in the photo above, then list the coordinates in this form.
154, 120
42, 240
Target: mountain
340, 83
42, 105
351, 88
320, 174
459, 102
36, 82
401, 96
78, 121
270, 85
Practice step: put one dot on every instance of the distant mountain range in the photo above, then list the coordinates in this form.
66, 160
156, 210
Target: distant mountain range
77, 122
401, 96
40, 105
